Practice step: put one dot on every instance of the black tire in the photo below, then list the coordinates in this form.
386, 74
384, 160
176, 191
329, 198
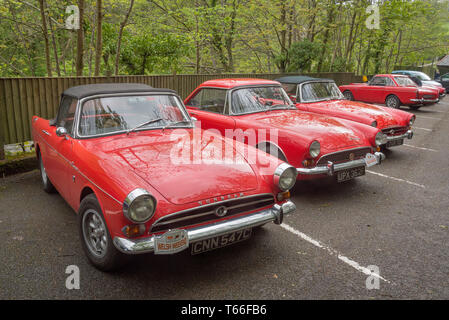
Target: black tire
46, 183
414, 107
108, 258
392, 102
348, 95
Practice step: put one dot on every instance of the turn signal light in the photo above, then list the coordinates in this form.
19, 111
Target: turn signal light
378, 149
283, 196
133, 230
307, 163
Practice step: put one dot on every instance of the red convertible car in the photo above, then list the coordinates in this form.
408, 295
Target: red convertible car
393, 90
110, 153
323, 96
259, 113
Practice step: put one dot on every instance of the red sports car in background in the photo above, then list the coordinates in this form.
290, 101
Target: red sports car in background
323, 96
392, 90
263, 115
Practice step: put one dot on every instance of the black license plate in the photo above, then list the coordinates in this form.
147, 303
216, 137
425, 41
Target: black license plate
394, 143
219, 241
349, 174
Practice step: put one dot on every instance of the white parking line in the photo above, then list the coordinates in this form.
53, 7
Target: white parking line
425, 117
421, 148
332, 252
398, 179
422, 128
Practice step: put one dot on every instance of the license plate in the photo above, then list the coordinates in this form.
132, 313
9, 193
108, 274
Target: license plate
172, 241
349, 174
394, 143
220, 241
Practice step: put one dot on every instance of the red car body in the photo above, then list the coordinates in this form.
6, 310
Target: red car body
387, 89
113, 165
343, 144
305, 91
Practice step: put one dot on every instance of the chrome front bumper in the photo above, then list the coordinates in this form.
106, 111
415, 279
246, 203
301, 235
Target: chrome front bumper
274, 214
331, 168
407, 135
423, 101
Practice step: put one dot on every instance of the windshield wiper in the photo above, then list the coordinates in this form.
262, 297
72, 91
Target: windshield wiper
143, 124
173, 124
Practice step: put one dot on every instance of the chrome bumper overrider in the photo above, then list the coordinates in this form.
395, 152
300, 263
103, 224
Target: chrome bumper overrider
331, 168
274, 214
407, 135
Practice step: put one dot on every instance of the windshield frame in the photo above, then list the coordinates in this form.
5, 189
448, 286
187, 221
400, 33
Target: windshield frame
319, 100
231, 91
81, 102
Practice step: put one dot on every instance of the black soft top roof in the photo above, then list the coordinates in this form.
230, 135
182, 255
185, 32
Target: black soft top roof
83, 91
300, 79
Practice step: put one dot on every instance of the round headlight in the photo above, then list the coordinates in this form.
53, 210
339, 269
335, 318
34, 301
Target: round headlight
314, 149
380, 138
139, 206
374, 124
285, 176
412, 120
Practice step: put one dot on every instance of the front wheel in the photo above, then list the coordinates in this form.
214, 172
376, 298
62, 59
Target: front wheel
46, 183
95, 238
393, 102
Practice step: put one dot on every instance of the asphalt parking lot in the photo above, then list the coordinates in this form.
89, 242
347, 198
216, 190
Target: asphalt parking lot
395, 218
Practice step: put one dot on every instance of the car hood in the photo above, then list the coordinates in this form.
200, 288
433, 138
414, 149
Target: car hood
431, 83
330, 132
358, 111
156, 158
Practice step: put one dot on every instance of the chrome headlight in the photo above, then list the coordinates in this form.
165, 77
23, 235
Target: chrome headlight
285, 176
314, 149
381, 138
374, 124
412, 120
139, 206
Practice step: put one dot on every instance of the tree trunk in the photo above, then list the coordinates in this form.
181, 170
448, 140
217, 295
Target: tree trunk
80, 41
99, 43
45, 34
55, 47
120, 35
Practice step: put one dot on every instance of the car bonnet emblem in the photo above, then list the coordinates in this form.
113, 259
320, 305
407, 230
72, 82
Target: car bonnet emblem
391, 131
221, 211
351, 156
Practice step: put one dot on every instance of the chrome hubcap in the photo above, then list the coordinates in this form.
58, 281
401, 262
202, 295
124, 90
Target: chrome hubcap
94, 232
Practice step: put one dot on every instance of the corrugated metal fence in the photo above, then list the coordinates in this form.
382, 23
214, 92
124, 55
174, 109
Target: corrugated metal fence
21, 98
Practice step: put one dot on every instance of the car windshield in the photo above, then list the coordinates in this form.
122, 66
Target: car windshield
256, 99
421, 76
319, 91
108, 115
404, 82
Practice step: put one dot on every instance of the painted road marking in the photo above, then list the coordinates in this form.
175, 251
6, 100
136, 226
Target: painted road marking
398, 179
422, 128
332, 252
432, 118
421, 148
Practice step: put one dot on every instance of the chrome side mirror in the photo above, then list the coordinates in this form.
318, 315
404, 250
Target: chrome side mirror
61, 132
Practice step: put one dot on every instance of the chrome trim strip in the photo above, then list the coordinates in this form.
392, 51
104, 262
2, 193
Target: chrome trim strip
407, 135
208, 205
47, 133
331, 168
273, 214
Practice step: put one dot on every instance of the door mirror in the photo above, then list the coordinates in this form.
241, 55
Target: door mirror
61, 132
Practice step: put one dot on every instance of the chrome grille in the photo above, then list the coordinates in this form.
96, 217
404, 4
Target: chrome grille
395, 131
206, 213
429, 96
343, 156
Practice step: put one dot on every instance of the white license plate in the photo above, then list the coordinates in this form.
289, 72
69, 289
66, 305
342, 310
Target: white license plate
170, 242
349, 174
220, 241
394, 143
